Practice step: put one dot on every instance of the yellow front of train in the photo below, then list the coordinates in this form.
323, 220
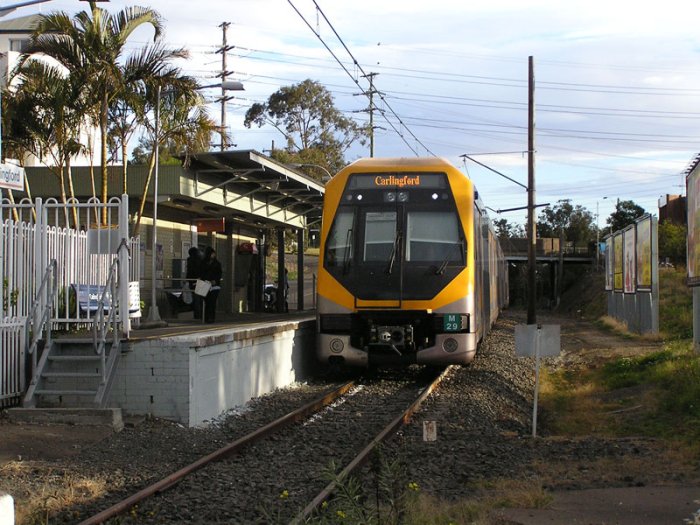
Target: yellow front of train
396, 279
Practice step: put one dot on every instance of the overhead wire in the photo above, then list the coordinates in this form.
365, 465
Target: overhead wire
356, 63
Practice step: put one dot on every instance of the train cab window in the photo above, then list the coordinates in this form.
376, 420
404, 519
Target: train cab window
339, 244
380, 235
433, 236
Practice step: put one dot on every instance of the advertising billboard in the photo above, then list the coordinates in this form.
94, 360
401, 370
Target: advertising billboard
629, 252
617, 262
693, 193
609, 268
644, 253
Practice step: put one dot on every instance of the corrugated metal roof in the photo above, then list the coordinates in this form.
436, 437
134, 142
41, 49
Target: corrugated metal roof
240, 185
692, 165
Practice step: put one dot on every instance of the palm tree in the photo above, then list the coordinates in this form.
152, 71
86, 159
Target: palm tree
90, 46
183, 124
45, 114
128, 109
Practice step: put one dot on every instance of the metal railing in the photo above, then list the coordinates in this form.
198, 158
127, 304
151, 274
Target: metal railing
39, 317
103, 323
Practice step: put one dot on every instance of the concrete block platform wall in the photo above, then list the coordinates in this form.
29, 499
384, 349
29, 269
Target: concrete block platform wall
193, 378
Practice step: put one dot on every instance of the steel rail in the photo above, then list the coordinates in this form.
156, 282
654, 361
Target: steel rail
176, 477
363, 456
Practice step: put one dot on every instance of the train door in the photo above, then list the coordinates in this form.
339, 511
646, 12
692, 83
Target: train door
380, 254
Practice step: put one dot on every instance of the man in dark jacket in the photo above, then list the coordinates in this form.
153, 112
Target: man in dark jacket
194, 270
211, 271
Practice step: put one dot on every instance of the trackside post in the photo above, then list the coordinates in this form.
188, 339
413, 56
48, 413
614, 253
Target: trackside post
537, 341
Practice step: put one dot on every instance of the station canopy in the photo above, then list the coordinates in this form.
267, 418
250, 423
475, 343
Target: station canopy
250, 189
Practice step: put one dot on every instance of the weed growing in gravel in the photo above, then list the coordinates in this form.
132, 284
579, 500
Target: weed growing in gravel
384, 500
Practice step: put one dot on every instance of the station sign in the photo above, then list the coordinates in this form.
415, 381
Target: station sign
11, 177
210, 225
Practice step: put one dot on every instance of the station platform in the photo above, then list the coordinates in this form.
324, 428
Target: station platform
191, 373
185, 324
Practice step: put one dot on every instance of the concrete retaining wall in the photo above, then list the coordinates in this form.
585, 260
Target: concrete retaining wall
193, 378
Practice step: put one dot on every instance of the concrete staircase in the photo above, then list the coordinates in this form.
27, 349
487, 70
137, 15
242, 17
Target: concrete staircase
70, 374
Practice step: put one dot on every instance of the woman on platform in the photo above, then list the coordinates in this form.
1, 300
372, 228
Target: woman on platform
211, 271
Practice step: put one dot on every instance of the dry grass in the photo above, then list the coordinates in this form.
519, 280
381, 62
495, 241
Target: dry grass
502, 493
666, 463
571, 406
622, 329
56, 491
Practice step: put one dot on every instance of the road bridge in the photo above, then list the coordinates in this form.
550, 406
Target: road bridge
554, 255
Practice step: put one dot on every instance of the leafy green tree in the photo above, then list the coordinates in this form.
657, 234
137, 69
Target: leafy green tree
315, 131
576, 223
672, 242
91, 46
46, 110
167, 152
506, 230
626, 212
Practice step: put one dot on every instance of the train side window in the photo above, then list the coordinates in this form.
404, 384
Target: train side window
380, 235
339, 244
433, 236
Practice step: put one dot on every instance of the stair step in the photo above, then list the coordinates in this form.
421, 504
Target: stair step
73, 340
69, 358
65, 392
71, 374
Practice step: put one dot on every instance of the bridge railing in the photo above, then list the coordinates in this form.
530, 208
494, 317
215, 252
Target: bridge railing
546, 247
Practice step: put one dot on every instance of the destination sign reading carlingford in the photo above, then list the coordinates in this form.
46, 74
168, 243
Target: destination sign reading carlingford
394, 180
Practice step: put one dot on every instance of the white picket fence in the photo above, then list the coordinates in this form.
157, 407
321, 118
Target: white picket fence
84, 239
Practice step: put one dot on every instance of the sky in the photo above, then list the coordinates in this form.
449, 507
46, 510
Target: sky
617, 84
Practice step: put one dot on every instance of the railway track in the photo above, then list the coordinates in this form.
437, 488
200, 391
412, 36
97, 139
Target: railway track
280, 472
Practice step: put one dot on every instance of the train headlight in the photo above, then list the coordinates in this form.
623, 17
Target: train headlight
403, 196
450, 344
390, 197
336, 346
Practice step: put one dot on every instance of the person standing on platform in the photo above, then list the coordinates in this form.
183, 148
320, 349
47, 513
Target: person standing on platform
194, 270
211, 271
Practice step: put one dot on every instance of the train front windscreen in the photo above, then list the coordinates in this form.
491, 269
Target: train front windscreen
396, 236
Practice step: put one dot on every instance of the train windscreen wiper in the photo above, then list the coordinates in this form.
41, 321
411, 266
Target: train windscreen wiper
394, 251
348, 251
441, 269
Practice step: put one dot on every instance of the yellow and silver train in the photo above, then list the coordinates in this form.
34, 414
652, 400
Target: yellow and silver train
410, 269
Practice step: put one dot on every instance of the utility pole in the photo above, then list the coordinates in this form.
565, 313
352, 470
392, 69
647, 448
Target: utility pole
371, 93
224, 73
531, 228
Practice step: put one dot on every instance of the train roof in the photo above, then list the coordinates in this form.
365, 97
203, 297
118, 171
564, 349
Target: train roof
388, 162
